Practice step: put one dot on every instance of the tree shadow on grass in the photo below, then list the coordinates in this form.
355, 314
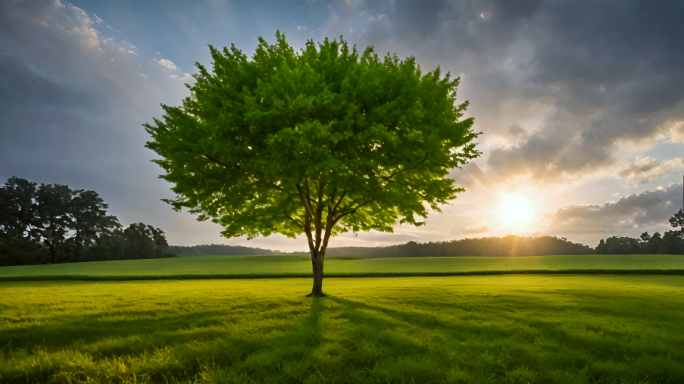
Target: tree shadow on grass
288, 358
340, 338
183, 343
516, 339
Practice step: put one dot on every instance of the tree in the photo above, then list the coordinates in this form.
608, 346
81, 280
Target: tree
19, 224
655, 243
53, 207
677, 220
316, 142
673, 243
89, 219
18, 210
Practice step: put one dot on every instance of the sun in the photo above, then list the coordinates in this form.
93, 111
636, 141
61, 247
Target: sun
516, 211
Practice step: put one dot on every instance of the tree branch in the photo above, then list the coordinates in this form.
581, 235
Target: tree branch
307, 216
305, 200
353, 210
319, 215
387, 178
299, 223
338, 203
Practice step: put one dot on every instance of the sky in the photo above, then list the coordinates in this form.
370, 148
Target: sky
580, 103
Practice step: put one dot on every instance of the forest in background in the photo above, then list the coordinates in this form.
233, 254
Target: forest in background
219, 249
485, 246
51, 223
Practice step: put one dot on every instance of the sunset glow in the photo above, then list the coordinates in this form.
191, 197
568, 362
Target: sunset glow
516, 211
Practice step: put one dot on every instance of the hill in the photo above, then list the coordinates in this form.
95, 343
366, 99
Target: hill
484, 246
219, 249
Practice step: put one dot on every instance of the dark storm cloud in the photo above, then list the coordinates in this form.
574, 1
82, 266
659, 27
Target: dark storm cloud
610, 71
420, 19
22, 86
615, 67
643, 211
632, 49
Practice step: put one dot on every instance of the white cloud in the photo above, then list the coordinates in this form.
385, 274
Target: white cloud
629, 215
168, 64
648, 169
187, 78
97, 18
128, 47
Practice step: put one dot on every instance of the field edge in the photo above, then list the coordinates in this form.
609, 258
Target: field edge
675, 272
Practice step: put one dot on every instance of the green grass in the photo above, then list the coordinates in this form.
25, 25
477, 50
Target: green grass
476, 329
300, 264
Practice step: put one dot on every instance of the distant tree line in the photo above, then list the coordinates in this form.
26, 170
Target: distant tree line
671, 242
486, 246
218, 249
51, 223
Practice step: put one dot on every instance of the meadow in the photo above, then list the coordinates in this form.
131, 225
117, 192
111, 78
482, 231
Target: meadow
461, 329
301, 264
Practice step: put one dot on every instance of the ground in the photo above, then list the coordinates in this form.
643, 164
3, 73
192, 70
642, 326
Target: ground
459, 329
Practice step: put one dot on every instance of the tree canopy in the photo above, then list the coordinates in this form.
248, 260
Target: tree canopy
318, 142
53, 223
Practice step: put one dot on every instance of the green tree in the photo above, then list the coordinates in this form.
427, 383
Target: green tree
655, 243
19, 224
677, 220
53, 208
673, 243
18, 210
88, 219
316, 142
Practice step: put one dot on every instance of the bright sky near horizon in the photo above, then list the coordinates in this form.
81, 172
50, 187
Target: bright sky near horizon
581, 104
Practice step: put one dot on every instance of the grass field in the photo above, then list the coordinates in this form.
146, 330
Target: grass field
474, 329
264, 265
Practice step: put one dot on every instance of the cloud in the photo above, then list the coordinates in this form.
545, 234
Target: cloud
645, 211
475, 230
648, 169
168, 64
583, 79
187, 78
128, 47
564, 92
97, 18
72, 103
419, 20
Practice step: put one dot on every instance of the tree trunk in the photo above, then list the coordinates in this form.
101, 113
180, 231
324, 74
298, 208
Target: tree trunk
317, 265
51, 246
